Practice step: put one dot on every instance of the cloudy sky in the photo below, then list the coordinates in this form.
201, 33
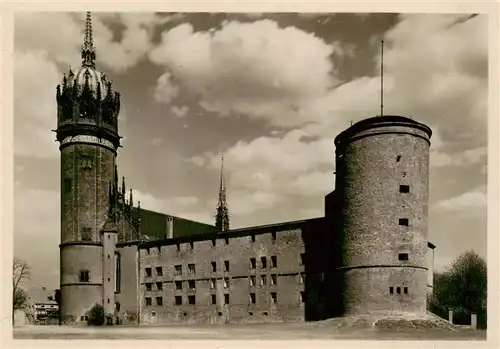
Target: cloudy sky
271, 91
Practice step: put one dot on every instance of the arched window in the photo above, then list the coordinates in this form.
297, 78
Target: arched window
118, 270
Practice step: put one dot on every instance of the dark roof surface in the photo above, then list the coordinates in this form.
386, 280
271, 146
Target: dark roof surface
153, 224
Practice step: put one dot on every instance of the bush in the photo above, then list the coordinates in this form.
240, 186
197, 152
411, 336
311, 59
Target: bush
96, 315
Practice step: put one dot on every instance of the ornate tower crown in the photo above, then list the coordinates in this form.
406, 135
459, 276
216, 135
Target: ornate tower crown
222, 216
86, 101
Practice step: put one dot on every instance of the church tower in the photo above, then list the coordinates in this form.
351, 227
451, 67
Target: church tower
222, 216
87, 130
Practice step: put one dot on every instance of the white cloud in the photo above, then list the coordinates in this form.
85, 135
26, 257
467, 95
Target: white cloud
468, 157
179, 112
35, 113
256, 69
156, 141
476, 199
187, 207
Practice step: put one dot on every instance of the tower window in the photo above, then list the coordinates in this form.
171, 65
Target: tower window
178, 247
274, 262
212, 283
178, 300
159, 286
178, 285
191, 245
403, 256
178, 270
87, 234
263, 280
192, 285
302, 297
404, 189
274, 297
406, 290
302, 258
403, 221
398, 158
84, 276
252, 298
213, 242
391, 290
226, 282
226, 298
226, 265
67, 184
159, 301
159, 271
263, 262
252, 280
148, 300
214, 267
192, 300
274, 279
148, 272
252, 263
214, 299
148, 286
398, 290
226, 239
253, 237
273, 235
191, 269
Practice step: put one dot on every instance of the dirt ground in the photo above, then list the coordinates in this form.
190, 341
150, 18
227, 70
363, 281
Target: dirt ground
273, 331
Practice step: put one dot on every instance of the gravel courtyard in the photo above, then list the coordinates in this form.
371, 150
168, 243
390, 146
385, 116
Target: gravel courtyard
322, 330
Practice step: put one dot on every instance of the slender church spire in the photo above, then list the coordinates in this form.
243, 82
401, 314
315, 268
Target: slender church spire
222, 216
88, 50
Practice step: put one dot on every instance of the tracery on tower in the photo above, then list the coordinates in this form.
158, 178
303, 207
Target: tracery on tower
222, 215
85, 95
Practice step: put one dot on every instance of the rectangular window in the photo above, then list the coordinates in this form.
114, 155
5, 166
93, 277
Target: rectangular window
398, 158
403, 256
263, 280
274, 279
398, 290
274, 297
391, 290
226, 298
226, 282
226, 265
253, 237
263, 262
148, 301
213, 283
178, 247
191, 269
178, 285
252, 298
159, 301
252, 263
403, 221
302, 297
159, 271
84, 276
67, 185
148, 286
274, 262
302, 258
191, 245
406, 290
252, 280
214, 299
226, 239
148, 272
404, 189
178, 300
178, 270
213, 242
273, 235
192, 300
159, 286
302, 278
191, 285
214, 267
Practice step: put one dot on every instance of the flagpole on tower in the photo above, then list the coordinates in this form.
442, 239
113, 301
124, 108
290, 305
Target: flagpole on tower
382, 77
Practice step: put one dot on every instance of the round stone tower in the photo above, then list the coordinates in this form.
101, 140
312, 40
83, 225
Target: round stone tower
87, 129
383, 185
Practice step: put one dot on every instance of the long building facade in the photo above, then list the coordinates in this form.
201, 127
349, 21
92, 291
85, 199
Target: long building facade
368, 254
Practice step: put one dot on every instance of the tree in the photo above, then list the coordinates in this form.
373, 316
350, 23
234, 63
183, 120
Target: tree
20, 274
463, 287
96, 315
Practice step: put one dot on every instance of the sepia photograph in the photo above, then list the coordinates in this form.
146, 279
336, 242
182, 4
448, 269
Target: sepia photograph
250, 175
